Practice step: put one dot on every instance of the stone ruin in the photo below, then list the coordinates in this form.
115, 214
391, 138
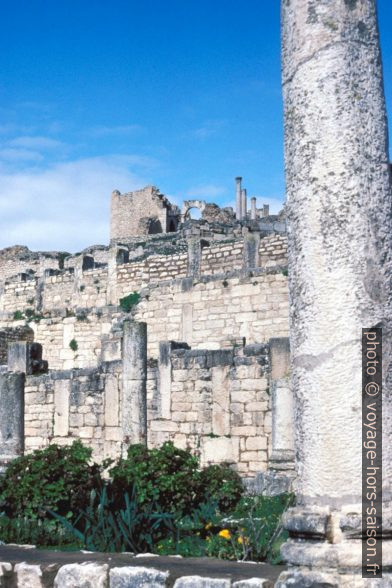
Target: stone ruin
201, 358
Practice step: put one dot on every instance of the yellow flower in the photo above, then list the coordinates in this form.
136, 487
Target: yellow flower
225, 533
208, 526
242, 540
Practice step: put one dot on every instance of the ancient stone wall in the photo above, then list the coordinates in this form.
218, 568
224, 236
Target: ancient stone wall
141, 212
18, 259
217, 403
82, 404
212, 312
214, 402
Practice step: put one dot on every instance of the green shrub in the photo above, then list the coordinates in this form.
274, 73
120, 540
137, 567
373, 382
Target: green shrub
129, 301
167, 476
23, 530
220, 483
18, 315
102, 526
73, 344
58, 478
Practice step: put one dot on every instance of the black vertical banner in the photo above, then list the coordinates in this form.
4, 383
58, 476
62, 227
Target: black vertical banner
372, 453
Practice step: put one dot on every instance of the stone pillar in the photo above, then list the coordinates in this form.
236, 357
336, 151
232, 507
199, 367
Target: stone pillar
340, 230
265, 210
251, 248
238, 199
253, 211
134, 377
11, 417
194, 256
117, 255
244, 205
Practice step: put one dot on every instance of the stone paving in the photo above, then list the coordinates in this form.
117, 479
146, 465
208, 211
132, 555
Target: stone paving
23, 567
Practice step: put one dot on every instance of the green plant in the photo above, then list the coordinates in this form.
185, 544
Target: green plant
102, 526
285, 272
255, 527
18, 315
59, 478
44, 532
129, 301
220, 483
167, 476
73, 344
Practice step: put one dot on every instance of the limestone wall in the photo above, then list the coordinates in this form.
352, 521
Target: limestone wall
18, 259
214, 402
63, 406
212, 312
217, 404
138, 274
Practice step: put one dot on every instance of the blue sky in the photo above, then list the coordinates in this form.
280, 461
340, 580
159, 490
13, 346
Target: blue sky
98, 95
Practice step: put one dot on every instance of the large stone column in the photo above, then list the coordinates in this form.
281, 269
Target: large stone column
340, 230
134, 381
11, 417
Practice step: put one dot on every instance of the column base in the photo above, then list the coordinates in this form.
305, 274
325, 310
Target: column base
310, 578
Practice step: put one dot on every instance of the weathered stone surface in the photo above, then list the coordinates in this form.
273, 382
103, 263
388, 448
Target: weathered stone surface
338, 203
85, 575
5, 574
134, 402
137, 577
11, 416
253, 583
28, 576
340, 259
200, 582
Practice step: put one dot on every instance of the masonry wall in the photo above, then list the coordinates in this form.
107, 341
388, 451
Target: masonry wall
81, 404
218, 406
213, 312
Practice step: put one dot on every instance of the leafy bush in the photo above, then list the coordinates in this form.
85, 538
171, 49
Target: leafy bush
18, 315
129, 301
222, 484
59, 478
167, 476
23, 530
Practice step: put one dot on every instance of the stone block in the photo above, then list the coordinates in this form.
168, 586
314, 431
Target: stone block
201, 582
5, 574
219, 450
253, 583
86, 575
137, 577
28, 576
62, 390
255, 443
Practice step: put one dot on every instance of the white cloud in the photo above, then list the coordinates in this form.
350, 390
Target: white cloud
12, 154
66, 206
208, 129
35, 142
